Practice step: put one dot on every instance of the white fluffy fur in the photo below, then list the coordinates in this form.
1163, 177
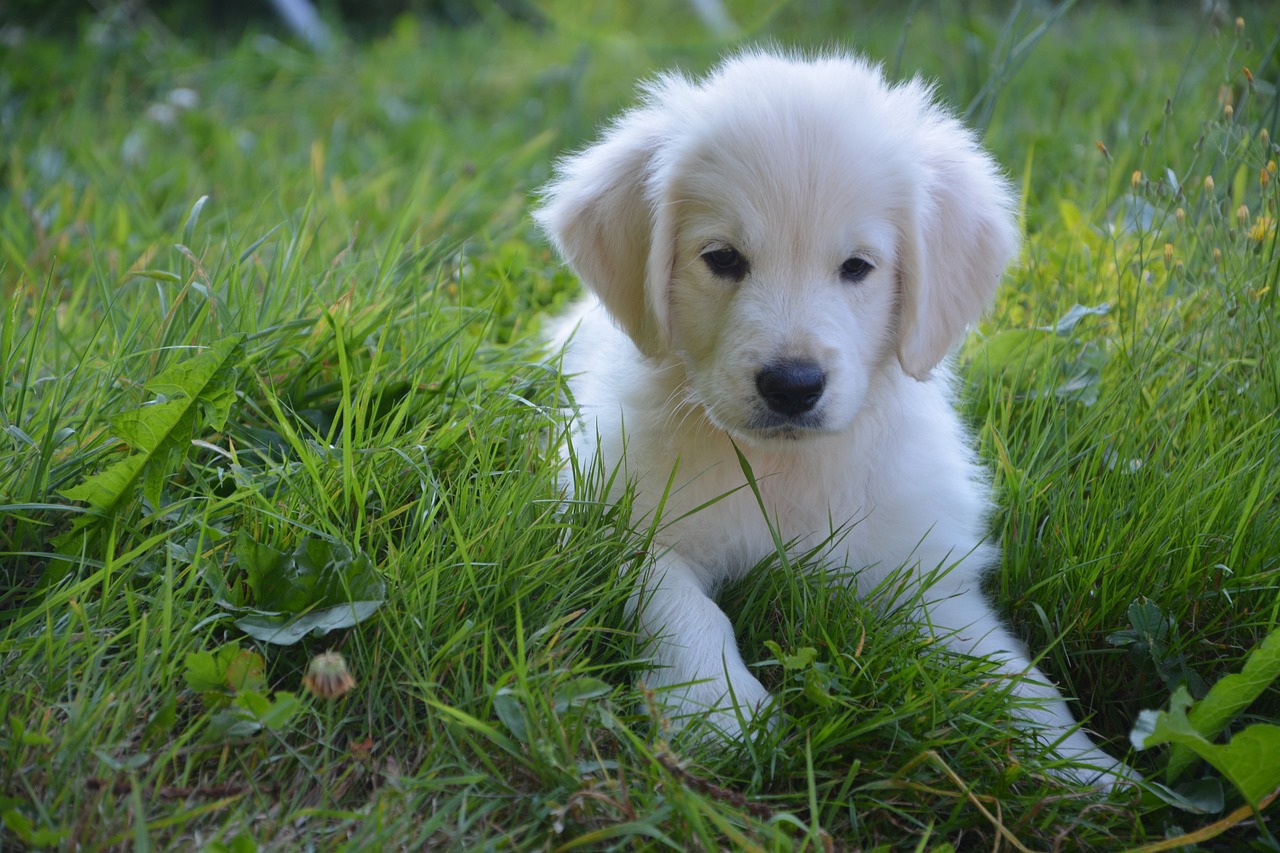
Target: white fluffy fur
798, 165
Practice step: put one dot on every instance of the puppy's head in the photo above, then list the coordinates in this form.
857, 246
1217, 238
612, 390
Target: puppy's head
787, 229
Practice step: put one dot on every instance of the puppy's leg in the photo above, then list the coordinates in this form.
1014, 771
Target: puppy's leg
697, 667
966, 623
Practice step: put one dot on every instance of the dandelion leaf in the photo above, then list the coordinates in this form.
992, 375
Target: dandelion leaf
197, 393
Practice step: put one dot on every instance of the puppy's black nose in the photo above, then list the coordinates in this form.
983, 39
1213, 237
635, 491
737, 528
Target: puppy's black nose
791, 387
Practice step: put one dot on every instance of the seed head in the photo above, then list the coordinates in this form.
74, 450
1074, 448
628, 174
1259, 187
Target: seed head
328, 677
1208, 184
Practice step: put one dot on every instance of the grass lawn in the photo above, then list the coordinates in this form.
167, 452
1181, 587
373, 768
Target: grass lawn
271, 387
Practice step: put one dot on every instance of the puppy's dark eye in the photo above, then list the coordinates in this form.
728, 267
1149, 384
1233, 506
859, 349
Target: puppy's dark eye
855, 270
726, 262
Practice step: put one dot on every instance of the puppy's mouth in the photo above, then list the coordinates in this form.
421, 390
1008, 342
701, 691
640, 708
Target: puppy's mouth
770, 425
757, 424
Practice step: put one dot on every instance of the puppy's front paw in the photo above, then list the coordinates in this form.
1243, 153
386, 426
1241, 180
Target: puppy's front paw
713, 708
1088, 766
1103, 773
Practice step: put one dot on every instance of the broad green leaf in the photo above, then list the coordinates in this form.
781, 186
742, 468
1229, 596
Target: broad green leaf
320, 587
1012, 353
511, 711
318, 572
1231, 695
204, 673
253, 703
339, 574
1066, 324
227, 669
1248, 761
1040, 361
1150, 627
272, 576
28, 833
162, 720
285, 630
284, 706
231, 724
803, 658
577, 691
1198, 796
150, 427
104, 490
242, 843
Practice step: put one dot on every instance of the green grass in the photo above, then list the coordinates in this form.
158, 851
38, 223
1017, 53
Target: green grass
354, 228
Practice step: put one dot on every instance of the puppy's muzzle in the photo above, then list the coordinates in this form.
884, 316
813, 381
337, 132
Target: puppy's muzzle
791, 387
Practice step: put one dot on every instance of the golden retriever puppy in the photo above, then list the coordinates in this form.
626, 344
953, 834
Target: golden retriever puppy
781, 257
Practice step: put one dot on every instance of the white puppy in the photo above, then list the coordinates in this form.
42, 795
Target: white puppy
789, 249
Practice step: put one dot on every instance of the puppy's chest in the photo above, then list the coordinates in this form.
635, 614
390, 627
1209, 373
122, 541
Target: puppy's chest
719, 519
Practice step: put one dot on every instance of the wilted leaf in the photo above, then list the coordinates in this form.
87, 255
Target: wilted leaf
246, 670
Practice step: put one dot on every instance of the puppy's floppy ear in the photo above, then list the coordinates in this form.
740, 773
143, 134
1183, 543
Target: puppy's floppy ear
956, 241
603, 213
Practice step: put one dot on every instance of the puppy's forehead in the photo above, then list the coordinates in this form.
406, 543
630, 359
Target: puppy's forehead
818, 119
798, 137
